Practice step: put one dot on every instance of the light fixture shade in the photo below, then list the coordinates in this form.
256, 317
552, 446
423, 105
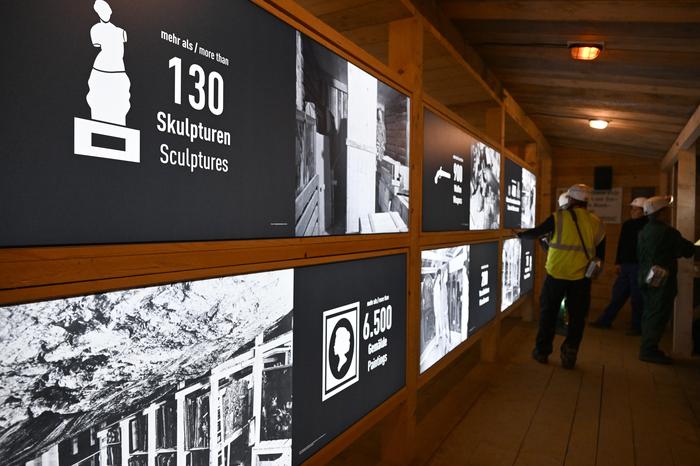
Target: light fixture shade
598, 124
585, 52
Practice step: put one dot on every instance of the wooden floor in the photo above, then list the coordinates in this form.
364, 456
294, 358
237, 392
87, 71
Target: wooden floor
612, 410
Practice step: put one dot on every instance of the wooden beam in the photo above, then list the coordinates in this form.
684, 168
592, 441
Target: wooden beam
406, 48
552, 101
515, 111
615, 35
674, 60
544, 31
653, 11
614, 97
406, 51
625, 66
603, 82
665, 130
442, 28
352, 15
685, 223
595, 146
687, 137
588, 111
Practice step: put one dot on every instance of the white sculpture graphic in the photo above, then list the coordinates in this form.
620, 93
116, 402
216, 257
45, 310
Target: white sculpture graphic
341, 348
109, 85
106, 134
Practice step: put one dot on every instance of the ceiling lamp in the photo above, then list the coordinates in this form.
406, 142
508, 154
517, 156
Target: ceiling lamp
598, 124
586, 52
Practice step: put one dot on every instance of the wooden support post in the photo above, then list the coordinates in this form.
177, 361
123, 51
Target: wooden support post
406, 58
544, 209
527, 312
395, 430
685, 223
530, 155
527, 309
495, 124
490, 342
406, 51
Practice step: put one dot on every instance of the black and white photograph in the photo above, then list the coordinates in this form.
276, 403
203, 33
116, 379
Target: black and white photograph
527, 282
444, 302
483, 280
485, 188
528, 199
351, 147
511, 270
194, 373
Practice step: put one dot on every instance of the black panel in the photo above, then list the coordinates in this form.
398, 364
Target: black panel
513, 180
483, 284
527, 281
446, 171
344, 292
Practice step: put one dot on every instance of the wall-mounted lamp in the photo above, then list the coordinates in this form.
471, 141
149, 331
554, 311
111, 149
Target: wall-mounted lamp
585, 51
598, 124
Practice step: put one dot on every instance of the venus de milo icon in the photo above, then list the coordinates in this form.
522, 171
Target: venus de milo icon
105, 134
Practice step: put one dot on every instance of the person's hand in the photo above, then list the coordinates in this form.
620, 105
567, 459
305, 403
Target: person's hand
618, 269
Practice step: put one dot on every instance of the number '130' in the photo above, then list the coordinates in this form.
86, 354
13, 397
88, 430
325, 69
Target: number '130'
210, 88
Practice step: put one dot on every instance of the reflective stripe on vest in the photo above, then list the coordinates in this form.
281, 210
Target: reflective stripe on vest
557, 243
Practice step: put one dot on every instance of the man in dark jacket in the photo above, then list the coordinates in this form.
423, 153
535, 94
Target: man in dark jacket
627, 282
658, 245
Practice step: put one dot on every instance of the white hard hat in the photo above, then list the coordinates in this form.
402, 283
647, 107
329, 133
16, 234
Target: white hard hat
638, 202
563, 199
580, 192
656, 203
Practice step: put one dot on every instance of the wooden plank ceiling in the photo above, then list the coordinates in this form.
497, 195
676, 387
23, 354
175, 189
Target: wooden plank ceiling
647, 81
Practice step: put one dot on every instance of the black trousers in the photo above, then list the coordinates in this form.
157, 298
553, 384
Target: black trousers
578, 300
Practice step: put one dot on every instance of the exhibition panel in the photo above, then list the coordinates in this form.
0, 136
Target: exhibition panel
527, 280
461, 179
197, 371
459, 291
483, 292
195, 196
517, 272
520, 198
160, 122
511, 260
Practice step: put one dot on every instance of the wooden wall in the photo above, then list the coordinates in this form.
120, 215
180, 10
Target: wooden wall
571, 166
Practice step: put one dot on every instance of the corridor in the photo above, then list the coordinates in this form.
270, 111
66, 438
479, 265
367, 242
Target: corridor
612, 410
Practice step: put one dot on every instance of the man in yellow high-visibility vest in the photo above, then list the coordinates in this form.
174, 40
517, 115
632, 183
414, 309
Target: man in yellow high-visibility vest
577, 236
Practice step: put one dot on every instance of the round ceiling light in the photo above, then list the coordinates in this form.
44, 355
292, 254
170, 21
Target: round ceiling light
598, 124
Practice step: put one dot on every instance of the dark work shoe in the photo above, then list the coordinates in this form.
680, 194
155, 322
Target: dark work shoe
633, 332
597, 324
568, 358
541, 358
656, 358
